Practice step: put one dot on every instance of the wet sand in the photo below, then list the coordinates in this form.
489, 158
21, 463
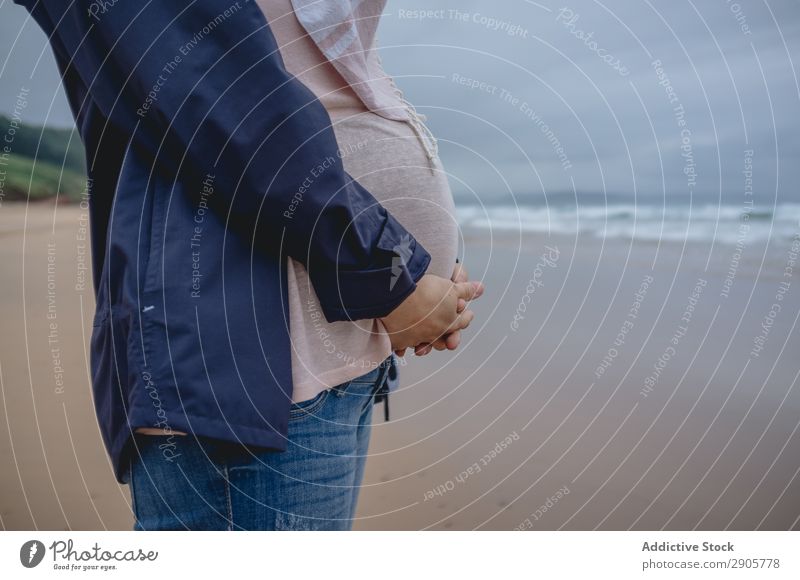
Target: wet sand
603, 385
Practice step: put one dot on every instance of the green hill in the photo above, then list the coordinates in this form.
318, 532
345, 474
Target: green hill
21, 179
56, 146
59, 166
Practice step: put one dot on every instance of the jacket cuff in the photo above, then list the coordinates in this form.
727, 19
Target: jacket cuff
361, 294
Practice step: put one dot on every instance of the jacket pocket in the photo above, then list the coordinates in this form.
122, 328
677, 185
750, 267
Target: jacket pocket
154, 232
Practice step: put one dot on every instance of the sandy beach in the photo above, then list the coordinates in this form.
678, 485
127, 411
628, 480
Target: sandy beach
604, 384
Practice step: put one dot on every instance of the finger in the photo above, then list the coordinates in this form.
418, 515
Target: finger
480, 290
453, 339
460, 273
401, 352
462, 321
438, 344
424, 350
462, 304
469, 290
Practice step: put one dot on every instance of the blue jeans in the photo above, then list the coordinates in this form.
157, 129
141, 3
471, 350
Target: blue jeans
209, 484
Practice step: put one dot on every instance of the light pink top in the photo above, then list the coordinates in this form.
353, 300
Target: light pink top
344, 31
395, 160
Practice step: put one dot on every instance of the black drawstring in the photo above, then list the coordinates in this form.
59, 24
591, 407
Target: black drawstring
382, 394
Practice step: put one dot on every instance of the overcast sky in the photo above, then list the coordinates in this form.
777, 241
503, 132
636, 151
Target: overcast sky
578, 76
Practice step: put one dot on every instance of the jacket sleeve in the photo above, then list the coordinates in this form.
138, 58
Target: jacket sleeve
202, 87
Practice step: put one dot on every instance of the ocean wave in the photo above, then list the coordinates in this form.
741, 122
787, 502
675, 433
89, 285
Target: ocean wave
724, 223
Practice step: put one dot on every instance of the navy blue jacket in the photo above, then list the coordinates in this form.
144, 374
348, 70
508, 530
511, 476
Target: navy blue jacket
209, 165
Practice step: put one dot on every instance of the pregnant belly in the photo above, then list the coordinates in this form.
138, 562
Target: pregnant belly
389, 160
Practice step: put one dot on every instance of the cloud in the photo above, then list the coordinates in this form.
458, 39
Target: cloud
731, 65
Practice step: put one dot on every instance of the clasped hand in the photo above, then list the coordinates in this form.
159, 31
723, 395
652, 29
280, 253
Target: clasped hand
434, 315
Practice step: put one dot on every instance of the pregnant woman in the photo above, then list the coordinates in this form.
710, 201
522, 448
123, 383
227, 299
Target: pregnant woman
338, 368
384, 146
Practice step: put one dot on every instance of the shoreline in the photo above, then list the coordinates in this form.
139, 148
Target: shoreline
487, 436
